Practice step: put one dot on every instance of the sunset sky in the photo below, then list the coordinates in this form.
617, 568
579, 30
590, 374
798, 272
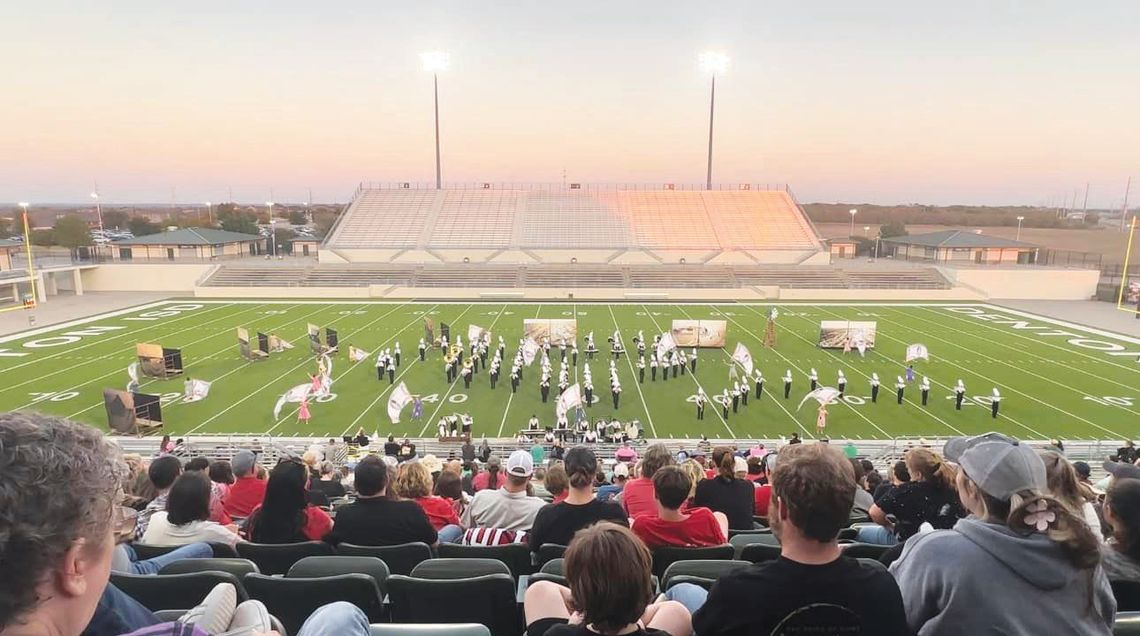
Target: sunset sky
973, 101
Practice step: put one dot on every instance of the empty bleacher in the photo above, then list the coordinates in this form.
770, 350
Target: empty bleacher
574, 276
791, 277
231, 276
673, 276
384, 218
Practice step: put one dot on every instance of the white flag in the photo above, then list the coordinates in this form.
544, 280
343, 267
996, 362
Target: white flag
823, 395
742, 356
133, 374
665, 344
400, 398
295, 394
477, 334
570, 398
916, 351
196, 390
530, 350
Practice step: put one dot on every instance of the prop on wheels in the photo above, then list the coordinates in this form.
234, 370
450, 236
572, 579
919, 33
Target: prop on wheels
248, 352
847, 335
156, 361
329, 346
130, 413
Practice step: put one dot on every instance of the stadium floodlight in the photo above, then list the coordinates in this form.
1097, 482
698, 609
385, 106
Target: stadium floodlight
24, 204
435, 62
210, 212
866, 231
714, 63
1019, 220
852, 212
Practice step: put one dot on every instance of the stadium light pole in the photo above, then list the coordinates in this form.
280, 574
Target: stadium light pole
852, 212
210, 212
1019, 220
866, 231
434, 62
272, 230
712, 62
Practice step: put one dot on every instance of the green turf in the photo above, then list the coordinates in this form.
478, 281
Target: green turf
1050, 386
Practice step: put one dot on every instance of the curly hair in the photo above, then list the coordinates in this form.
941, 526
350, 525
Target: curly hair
58, 482
412, 481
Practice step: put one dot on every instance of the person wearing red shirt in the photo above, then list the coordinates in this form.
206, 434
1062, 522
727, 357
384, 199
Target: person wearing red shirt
248, 491
637, 496
491, 479
286, 516
413, 482
697, 527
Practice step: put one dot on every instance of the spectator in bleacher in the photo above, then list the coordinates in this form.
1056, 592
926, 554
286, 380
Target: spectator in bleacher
285, 516
929, 497
812, 588
391, 447
376, 518
201, 465
1063, 485
186, 518
863, 499
509, 507
450, 487
557, 522
725, 493
537, 453
484, 451
897, 475
329, 482
247, 491
625, 454
755, 472
413, 482
1121, 555
468, 452
490, 479
1127, 453
696, 527
621, 476
538, 485
557, 482
162, 472
637, 496
609, 572
696, 475
1019, 543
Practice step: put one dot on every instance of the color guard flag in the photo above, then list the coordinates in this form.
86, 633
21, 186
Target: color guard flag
530, 350
823, 395
133, 374
742, 356
570, 398
400, 398
916, 351
665, 344
476, 334
295, 394
196, 390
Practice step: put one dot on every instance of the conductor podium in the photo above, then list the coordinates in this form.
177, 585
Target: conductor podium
132, 413
156, 361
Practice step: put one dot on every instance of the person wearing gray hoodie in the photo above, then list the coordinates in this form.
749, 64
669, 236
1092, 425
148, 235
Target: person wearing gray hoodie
1022, 563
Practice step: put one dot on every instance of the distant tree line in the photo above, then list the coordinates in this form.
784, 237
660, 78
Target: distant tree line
963, 215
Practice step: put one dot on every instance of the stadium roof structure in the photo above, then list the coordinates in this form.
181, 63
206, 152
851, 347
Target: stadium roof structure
190, 236
957, 238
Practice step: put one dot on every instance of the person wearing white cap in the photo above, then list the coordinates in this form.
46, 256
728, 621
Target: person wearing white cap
959, 395
509, 507
874, 387
1019, 543
925, 389
814, 377
841, 383
995, 401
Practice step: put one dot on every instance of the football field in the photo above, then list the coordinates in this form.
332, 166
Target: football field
1056, 379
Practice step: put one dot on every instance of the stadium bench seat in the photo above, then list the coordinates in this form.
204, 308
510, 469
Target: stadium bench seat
292, 600
548, 551
759, 552
174, 591
145, 551
322, 566
455, 629
400, 559
864, 550
278, 558
488, 600
698, 571
1127, 595
664, 557
237, 567
447, 568
516, 555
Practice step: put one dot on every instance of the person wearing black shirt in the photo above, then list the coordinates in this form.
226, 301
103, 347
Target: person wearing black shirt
557, 523
468, 452
727, 494
374, 519
391, 447
929, 497
812, 588
329, 484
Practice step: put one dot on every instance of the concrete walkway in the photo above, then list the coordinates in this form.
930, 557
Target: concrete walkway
64, 308
1090, 313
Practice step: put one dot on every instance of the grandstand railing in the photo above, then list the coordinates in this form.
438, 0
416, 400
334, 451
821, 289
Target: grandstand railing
566, 187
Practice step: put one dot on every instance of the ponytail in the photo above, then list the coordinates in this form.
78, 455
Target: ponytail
1029, 512
725, 462
925, 464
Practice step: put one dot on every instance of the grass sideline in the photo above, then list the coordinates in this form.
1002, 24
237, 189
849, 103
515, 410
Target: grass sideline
1056, 379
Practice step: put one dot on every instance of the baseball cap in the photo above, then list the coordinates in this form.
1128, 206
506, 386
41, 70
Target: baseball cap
739, 465
520, 464
1000, 465
432, 463
1083, 469
243, 462
1122, 470
621, 470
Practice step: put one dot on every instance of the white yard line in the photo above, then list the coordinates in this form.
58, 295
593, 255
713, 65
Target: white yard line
771, 394
287, 372
633, 374
693, 376
89, 319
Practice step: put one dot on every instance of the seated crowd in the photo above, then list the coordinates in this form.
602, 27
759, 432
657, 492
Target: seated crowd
964, 536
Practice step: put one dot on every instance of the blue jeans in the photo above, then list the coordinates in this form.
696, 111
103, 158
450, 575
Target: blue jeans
450, 534
118, 614
336, 619
127, 561
689, 595
877, 535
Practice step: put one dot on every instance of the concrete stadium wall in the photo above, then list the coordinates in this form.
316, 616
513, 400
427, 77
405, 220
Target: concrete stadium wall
144, 277
1030, 283
513, 257
881, 294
